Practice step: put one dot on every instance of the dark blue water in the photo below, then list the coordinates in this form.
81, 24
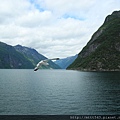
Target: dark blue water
59, 92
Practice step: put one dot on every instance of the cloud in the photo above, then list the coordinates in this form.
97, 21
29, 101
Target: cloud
66, 6
55, 28
34, 19
10, 9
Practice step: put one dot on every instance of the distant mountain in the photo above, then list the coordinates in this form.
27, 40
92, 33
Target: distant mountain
19, 57
30, 53
34, 56
65, 62
10, 58
102, 52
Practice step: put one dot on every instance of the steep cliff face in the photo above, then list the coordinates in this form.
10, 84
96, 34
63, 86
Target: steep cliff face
102, 52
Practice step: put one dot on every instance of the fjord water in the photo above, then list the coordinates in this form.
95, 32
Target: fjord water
59, 92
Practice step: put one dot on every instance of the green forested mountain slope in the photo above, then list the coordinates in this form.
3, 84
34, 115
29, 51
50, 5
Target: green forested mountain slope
102, 53
19, 57
35, 57
10, 58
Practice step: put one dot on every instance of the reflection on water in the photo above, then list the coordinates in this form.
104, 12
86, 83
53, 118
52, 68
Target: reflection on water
56, 92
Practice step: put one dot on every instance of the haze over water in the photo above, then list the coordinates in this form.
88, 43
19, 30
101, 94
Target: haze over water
59, 92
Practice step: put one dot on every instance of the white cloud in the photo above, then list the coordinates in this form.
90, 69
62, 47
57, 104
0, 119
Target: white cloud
58, 28
34, 19
10, 9
61, 7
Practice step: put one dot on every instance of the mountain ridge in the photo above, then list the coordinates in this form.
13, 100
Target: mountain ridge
10, 58
65, 62
35, 57
102, 52
21, 57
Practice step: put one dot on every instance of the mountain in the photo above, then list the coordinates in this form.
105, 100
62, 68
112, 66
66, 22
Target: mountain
34, 56
65, 62
19, 57
102, 52
10, 58
30, 53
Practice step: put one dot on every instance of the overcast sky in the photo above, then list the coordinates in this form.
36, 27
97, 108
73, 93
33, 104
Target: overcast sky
55, 28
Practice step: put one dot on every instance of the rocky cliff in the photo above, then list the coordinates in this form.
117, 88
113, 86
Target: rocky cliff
102, 52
